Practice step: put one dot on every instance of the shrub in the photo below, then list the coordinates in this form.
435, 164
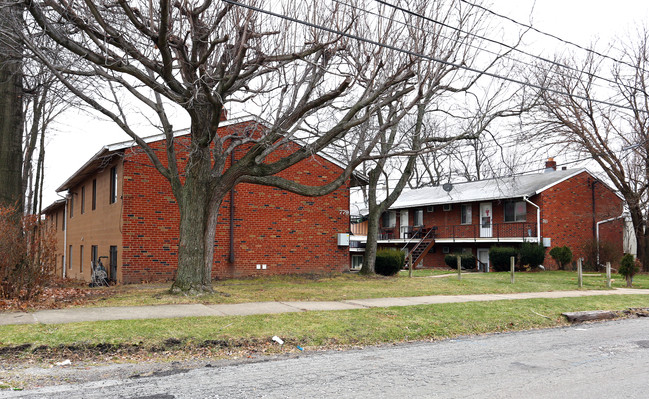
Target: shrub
499, 257
531, 254
27, 255
628, 268
561, 255
389, 262
608, 252
467, 261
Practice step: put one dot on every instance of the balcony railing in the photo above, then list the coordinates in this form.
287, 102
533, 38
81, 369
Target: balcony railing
494, 231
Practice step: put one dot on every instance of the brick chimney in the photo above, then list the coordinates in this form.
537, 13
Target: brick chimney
550, 165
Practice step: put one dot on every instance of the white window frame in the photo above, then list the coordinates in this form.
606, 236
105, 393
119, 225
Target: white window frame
518, 217
418, 218
356, 264
392, 219
447, 207
466, 217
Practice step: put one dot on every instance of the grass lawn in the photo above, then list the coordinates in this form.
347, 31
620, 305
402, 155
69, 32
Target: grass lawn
318, 329
353, 286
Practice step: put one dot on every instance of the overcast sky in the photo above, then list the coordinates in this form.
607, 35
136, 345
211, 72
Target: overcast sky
79, 136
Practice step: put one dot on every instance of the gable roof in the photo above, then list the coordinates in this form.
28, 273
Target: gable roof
486, 190
102, 158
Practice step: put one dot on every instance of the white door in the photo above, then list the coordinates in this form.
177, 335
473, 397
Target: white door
483, 257
403, 222
485, 219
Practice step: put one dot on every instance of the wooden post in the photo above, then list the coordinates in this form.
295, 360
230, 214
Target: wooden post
512, 261
608, 274
580, 277
459, 267
410, 264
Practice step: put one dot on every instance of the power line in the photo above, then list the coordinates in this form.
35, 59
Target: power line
430, 58
510, 47
550, 35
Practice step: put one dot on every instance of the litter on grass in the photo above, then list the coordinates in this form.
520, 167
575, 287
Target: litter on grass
278, 340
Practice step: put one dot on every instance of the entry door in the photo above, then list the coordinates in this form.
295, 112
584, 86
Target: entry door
485, 219
483, 257
404, 223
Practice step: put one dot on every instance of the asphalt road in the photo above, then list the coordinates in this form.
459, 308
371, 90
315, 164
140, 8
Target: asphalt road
602, 360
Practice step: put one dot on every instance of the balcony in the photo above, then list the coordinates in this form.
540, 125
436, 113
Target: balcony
495, 232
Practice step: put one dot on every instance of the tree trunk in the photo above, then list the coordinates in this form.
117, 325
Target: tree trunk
190, 276
629, 281
194, 199
11, 112
372, 236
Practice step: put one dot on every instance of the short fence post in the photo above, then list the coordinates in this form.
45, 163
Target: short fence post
410, 264
608, 274
512, 260
459, 267
580, 276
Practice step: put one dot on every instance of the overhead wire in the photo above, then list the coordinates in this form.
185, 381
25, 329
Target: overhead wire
505, 45
480, 72
568, 42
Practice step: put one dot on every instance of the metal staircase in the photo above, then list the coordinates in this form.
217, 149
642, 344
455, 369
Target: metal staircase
421, 248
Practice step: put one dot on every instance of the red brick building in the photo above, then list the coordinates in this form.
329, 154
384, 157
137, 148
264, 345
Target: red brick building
119, 207
555, 208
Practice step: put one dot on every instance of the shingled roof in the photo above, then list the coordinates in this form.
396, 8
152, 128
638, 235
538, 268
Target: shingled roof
486, 190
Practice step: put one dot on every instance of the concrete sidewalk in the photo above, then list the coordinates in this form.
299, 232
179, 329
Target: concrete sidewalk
73, 315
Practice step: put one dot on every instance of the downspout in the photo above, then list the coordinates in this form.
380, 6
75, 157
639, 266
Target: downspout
538, 219
65, 236
623, 215
231, 258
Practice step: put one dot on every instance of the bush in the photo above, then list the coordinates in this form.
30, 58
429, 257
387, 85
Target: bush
531, 254
608, 252
466, 260
27, 255
628, 268
499, 257
561, 255
389, 262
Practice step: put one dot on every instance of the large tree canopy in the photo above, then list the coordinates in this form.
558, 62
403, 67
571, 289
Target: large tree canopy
201, 57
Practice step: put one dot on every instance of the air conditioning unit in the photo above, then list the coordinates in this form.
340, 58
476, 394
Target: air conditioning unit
447, 207
430, 208
343, 239
446, 250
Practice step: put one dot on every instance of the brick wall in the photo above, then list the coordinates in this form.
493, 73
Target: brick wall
567, 214
288, 233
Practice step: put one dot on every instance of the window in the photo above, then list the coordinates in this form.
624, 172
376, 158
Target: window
419, 217
112, 262
446, 207
63, 225
465, 211
430, 208
515, 211
56, 221
83, 200
389, 219
81, 258
93, 254
70, 258
357, 262
71, 205
113, 185
94, 194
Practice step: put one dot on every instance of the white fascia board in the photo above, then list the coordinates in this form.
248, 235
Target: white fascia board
578, 171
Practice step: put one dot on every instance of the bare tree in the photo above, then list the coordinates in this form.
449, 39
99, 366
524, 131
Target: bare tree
203, 56
11, 118
44, 99
607, 119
